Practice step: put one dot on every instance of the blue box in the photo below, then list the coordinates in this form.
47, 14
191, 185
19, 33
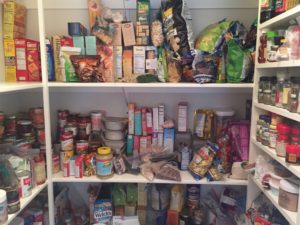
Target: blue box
169, 138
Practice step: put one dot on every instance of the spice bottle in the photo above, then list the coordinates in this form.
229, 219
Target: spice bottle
294, 95
279, 88
267, 90
283, 139
261, 89
259, 125
292, 152
262, 51
285, 93
273, 91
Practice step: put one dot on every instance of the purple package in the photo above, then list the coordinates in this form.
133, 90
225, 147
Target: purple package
240, 136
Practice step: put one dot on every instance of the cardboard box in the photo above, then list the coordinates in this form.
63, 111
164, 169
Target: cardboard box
160, 139
78, 41
128, 34
127, 65
151, 60
131, 109
118, 66
21, 64
161, 118
139, 62
117, 39
14, 20
10, 60
169, 138
50, 61
155, 119
129, 149
182, 117
138, 122
143, 145
33, 60
136, 143
149, 123
90, 45
155, 139
144, 122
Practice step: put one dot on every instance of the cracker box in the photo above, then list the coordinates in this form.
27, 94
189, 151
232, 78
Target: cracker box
128, 34
182, 117
169, 138
14, 20
21, 65
33, 60
9, 60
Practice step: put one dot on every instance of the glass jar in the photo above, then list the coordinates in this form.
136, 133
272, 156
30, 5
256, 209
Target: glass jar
104, 164
261, 89
279, 90
273, 136
281, 143
273, 91
287, 85
267, 90
39, 170
292, 152
294, 95
265, 135
259, 125
295, 135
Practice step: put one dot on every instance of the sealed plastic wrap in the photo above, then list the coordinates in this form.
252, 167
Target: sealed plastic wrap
86, 67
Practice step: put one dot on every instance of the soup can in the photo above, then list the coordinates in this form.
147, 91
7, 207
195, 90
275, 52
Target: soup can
67, 141
25, 187
82, 147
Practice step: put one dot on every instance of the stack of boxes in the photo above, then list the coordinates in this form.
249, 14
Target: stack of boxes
21, 56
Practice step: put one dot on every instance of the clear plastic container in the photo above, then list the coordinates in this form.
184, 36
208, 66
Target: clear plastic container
222, 118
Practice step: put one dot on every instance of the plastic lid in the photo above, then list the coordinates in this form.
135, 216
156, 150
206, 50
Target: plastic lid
224, 112
272, 34
289, 187
295, 130
273, 184
2, 196
292, 149
283, 128
104, 150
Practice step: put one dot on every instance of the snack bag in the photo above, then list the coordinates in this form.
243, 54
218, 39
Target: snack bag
86, 67
67, 69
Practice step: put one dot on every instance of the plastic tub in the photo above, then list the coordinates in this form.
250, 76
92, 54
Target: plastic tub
288, 195
223, 116
115, 123
276, 179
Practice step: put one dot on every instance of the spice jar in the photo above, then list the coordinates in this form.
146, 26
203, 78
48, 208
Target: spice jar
295, 135
273, 91
104, 164
281, 143
265, 135
261, 89
285, 93
292, 154
39, 170
267, 90
273, 136
294, 95
260, 122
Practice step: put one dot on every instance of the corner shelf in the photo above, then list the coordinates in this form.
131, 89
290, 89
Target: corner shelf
291, 217
186, 178
281, 20
25, 201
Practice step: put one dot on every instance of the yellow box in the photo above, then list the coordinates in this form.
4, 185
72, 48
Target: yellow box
9, 60
14, 20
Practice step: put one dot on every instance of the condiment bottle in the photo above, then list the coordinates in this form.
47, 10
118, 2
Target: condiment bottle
292, 154
39, 169
3, 207
262, 51
285, 94
283, 139
104, 164
261, 89
279, 88
293, 103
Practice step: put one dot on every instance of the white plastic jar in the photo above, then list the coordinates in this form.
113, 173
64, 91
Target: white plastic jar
3, 207
288, 195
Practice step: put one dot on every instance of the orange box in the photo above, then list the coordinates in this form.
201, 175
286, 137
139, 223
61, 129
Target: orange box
33, 60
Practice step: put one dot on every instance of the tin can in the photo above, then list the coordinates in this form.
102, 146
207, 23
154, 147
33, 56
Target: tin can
23, 146
25, 186
67, 143
37, 115
29, 137
40, 133
65, 156
55, 163
62, 116
84, 127
13, 199
11, 125
72, 128
10, 139
82, 147
72, 119
96, 118
66, 169
24, 126
79, 167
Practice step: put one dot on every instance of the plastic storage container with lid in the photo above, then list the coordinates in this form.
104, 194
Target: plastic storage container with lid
288, 195
104, 164
223, 116
3, 207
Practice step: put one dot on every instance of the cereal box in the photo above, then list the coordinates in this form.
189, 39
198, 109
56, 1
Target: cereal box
33, 60
22, 72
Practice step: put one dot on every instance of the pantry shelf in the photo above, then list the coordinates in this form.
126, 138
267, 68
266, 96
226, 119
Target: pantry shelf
19, 86
281, 64
271, 152
25, 201
278, 111
290, 216
152, 87
186, 178
282, 20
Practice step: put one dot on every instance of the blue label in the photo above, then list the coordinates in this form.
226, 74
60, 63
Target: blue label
104, 167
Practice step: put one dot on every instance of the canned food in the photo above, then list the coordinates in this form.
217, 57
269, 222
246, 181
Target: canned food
96, 118
25, 186
24, 126
13, 200
82, 147
23, 146
66, 169
79, 167
55, 163
72, 119
28, 137
11, 125
62, 118
67, 141
84, 126
10, 139
72, 128
65, 156
41, 135
37, 115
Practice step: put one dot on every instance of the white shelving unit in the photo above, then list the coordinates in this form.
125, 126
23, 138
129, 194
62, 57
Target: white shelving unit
256, 148
48, 17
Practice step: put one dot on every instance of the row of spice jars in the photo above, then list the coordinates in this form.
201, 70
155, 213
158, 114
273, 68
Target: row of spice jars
280, 91
283, 136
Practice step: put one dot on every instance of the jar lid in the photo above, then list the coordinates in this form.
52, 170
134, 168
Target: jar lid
292, 149
295, 130
283, 137
104, 150
24, 122
283, 128
289, 187
2, 195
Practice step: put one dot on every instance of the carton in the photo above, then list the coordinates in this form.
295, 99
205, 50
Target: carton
21, 64
78, 42
14, 20
117, 38
182, 117
9, 60
161, 118
139, 63
33, 60
94, 12
155, 119
128, 34
90, 45
131, 109
169, 138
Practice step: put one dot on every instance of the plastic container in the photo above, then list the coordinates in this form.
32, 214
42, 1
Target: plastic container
223, 116
104, 164
114, 123
3, 207
114, 135
276, 179
288, 195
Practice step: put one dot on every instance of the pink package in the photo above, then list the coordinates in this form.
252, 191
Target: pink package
240, 135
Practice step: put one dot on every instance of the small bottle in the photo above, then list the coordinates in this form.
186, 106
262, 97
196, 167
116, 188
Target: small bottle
262, 51
293, 103
273, 91
39, 170
285, 93
279, 88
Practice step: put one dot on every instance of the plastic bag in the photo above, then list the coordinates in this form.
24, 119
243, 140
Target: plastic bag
205, 68
177, 25
86, 67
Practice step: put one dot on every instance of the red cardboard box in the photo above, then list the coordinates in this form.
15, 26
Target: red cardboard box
33, 60
21, 65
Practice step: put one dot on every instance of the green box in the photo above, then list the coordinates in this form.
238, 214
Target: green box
90, 45
78, 42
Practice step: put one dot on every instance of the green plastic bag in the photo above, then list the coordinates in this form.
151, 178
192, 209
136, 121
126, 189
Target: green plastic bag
239, 63
118, 195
